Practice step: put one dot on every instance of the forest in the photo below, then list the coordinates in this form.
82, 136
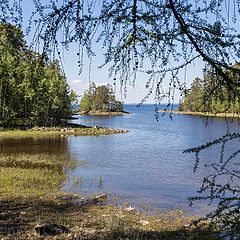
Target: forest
198, 99
33, 90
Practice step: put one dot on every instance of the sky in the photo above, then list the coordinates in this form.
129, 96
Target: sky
79, 83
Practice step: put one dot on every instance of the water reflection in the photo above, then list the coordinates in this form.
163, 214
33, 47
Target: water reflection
146, 165
34, 166
50, 145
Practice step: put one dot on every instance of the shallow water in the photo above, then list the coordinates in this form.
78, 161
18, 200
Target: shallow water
145, 167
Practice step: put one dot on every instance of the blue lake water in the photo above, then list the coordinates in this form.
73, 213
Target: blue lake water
144, 167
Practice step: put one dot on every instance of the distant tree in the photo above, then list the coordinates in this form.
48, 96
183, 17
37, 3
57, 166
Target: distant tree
100, 98
117, 106
11, 44
73, 96
85, 103
57, 92
194, 99
199, 99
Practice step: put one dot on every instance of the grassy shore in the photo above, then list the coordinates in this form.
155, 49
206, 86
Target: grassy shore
30, 193
27, 175
92, 221
57, 131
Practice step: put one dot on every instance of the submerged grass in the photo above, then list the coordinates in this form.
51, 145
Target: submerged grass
31, 174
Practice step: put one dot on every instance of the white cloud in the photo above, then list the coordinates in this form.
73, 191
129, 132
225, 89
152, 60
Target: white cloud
76, 82
78, 86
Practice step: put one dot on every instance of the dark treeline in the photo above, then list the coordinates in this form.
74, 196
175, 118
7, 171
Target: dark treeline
33, 90
205, 95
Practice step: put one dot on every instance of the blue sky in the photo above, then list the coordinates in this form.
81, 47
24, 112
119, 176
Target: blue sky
79, 83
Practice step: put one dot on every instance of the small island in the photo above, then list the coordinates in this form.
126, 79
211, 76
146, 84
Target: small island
100, 101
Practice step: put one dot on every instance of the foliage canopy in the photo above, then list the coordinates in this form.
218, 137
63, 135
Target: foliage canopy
157, 37
200, 99
100, 98
32, 90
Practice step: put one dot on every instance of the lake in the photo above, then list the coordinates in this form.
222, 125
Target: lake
145, 167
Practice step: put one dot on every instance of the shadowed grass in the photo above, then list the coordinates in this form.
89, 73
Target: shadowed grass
20, 215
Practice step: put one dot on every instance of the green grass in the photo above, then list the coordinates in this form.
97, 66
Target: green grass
27, 182
102, 113
32, 174
48, 132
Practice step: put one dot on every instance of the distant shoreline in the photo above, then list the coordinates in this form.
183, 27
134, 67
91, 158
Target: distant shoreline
208, 114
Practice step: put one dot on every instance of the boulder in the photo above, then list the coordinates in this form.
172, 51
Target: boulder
143, 222
130, 209
48, 228
100, 198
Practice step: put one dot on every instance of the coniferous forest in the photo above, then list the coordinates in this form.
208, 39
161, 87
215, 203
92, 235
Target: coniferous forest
33, 90
203, 97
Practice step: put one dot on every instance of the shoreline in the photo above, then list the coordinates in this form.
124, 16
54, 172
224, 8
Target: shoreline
30, 195
208, 114
93, 220
59, 132
99, 113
